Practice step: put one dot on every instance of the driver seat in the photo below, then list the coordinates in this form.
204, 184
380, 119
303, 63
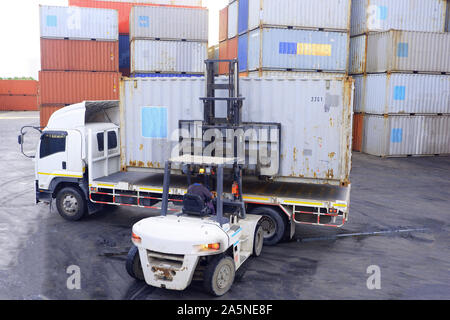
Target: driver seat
194, 205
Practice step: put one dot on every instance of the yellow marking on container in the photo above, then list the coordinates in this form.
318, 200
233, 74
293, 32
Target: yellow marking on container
60, 175
256, 198
105, 185
151, 189
318, 204
314, 49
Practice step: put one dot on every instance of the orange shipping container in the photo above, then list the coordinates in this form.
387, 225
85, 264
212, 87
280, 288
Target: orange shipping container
79, 55
223, 24
59, 87
358, 126
227, 50
18, 87
46, 112
18, 103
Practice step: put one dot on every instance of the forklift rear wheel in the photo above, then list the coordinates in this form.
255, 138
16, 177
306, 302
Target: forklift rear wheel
219, 275
71, 204
258, 241
133, 265
272, 224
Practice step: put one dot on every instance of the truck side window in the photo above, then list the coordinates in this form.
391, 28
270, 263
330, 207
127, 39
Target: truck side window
112, 141
51, 143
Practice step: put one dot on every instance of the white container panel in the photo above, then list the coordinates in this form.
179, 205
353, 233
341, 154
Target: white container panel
357, 63
79, 23
233, 12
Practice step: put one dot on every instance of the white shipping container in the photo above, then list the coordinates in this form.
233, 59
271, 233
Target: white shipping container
79, 23
384, 15
402, 94
295, 74
191, 3
399, 51
168, 56
311, 14
169, 23
357, 63
315, 118
406, 135
233, 12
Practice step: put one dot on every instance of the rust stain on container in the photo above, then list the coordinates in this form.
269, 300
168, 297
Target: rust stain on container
79, 55
358, 126
141, 147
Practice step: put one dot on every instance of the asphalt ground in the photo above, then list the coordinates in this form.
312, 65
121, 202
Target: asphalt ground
399, 223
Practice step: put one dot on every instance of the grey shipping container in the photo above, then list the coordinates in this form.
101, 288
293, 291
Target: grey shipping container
391, 136
315, 118
410, 15
169, 23
397, 51
281, 49
398, 93
233, 20
168, 56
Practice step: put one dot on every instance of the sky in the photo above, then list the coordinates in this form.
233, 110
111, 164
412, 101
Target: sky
19, 34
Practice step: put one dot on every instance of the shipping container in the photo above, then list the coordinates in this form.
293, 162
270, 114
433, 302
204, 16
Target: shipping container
243, 16
168, 56
19, 87
397, 51
223, 24
78, 23
124, 51
398, 93
305, 14
391, 136
296, 74
79, 55
357, 55
358, 131
165, 75
233, 20
447, 18
167, 23
213, 54
315, 118
124, 8
18, 103
228, 50
410, 15
272, 48
63, 88
45, 112
243, 52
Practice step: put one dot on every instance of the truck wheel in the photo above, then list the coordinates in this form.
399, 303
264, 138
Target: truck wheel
133, 265
71, 204
219, 275
272, 224
258, 241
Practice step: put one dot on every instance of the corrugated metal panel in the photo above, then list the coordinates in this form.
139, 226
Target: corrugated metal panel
169, 23
406, 135
168, 56
124, 8
403, 93
243, 51
63, 88
223, 24
165, 75
358, 130
243, 16
311, 14
272, 48
213, 54
76, 55
18, 103
358, 58
384, 15
316, 120
223, 55
447, 18
79, 23
408, 51
18, 87
233, 20
124, 51
298, 75
46, 112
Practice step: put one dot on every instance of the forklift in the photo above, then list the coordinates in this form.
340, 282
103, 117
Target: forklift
211, 237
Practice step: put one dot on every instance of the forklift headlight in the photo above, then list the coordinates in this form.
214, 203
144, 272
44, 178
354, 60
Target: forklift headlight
210, 247
135, 238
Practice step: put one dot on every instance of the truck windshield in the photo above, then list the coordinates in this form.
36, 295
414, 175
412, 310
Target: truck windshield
51, 143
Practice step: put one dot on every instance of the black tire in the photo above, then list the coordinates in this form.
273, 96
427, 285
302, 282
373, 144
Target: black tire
71, 203
133, 265
273, 224
258, 241
219, 275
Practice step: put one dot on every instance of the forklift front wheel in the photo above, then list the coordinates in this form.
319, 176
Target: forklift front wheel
258, 241
133, 265
219, 275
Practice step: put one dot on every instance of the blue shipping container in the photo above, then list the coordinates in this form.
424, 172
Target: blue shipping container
243, 16
282, 49
124, 51
242, 52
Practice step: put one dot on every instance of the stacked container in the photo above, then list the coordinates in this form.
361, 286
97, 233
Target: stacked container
295, 37
399, 59
79, 57
18, 95
168, 41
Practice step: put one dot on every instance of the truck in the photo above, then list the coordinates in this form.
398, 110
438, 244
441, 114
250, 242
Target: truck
82, 160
